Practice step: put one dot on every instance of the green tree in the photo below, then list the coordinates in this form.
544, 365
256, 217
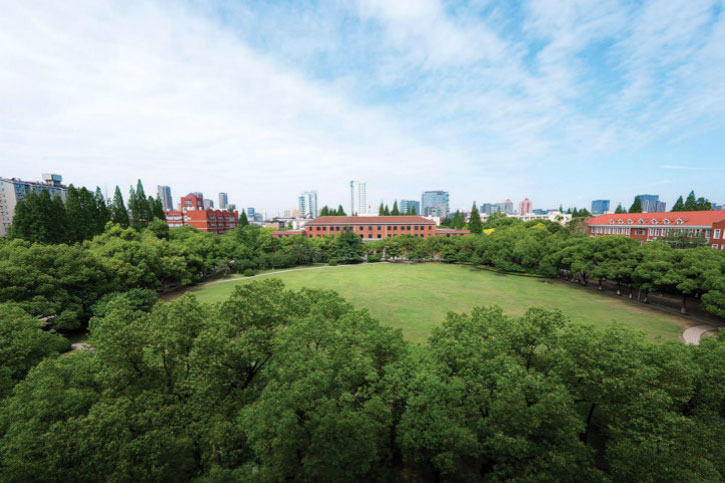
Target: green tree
679, 205
325, 211
158, 209
119, 213
381, 209
103, 214
349, 247
636, 206
413, 211
619, 209
475, 224
691, 202
243, 221
395, 211
340, 211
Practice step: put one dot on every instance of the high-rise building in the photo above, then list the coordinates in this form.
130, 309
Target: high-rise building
406, 206
599, 207
435, 203
486, 209
358, 197
652, 204
506, 207
208, 204
250, 214
164, 194
307, 204
13, 190
525, 207
223, 201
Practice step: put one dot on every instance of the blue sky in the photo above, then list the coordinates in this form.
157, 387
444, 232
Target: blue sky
559, 101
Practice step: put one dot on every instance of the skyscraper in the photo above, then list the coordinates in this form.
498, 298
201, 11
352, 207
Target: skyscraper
307, 204
406, 206
434, 203
164, 193
652, 204
525, 207
358, 197
599, 207
208, 204
223, 201
486, 208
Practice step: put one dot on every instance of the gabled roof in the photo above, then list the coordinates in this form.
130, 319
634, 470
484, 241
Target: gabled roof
369, 220
669, 218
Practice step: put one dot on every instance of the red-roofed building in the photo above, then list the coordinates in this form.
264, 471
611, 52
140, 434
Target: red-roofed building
371, 227
193, 214
652, 226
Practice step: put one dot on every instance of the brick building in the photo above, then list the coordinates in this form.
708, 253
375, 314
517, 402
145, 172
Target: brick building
652, 226
371, 227
193, 214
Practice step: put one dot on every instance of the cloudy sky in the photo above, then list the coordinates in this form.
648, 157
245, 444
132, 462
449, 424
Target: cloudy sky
559, 101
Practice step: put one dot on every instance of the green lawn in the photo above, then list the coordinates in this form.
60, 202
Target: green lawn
417, 297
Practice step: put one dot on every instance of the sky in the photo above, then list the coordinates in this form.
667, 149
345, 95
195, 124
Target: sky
559, 101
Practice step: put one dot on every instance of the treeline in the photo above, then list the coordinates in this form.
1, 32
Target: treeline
384, 210
277, 385
692, 203
40, 218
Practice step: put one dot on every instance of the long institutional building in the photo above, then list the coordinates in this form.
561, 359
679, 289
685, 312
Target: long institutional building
371, 228
652, 226
194, 214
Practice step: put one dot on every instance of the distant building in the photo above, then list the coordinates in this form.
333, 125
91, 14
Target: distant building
525, 207
223, 201
435, 203
600, 207
13, 190
208, 204
193, 213
371, 227
652, 204
407, 205
358, 197
164, 194
231, 207
250, 214
506, 207
554, 216
646, 227
486, 209
307, 204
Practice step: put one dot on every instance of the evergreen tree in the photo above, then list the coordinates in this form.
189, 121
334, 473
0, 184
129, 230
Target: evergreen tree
243, 221
74, 215
619, 209
381, 209
636, 206
395, 211
152, 208
158, 209
691, 202
386, 211
679, 205
325, 211
89, 222
119, 214
103, 214
58, 228
475, 224
561, 209
340, 211
33, 220
703, 204
413, 211
133, 207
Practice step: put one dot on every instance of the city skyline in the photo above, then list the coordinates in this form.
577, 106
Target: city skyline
539, 91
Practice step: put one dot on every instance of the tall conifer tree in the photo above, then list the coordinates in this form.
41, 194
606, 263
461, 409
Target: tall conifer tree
119, 213
474, 223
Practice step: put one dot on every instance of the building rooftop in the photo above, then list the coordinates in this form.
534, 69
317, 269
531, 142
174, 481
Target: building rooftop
682, 218
372, 220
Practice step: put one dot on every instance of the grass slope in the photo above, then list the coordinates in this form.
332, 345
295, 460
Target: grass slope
417, 297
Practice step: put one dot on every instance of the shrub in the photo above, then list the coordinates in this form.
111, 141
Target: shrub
374, 258
248, 272
332, 262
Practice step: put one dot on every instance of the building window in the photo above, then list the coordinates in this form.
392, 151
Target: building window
714, 245
378, 234
716, 234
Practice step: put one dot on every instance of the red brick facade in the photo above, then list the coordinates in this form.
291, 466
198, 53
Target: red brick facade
193, 214
370, 227
652, 226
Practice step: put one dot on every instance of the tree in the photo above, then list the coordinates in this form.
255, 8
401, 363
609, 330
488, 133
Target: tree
103, 214
381, 209
158, 208
636, 205
119, 214
679, 205
39, 219
619, 209
395, 211
325, 211
386, 211
349, 247
413, 211
243, 221
340, 211
475, 224
691, 202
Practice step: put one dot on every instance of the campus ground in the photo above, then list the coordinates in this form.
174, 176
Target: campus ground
416, 297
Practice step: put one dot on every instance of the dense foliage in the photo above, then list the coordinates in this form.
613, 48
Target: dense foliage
278, 385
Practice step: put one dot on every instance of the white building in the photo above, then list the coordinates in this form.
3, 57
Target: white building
223, 201
13, 190
555, 216
208, 204
358, 197
307, 204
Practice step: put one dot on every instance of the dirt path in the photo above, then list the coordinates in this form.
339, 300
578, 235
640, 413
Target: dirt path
693, 334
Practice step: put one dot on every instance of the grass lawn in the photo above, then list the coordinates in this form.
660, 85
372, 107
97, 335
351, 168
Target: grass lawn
417, 297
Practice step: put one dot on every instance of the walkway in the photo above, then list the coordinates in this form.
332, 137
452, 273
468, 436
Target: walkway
693, 334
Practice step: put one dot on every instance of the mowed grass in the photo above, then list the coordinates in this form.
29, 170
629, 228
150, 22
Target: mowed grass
416, 298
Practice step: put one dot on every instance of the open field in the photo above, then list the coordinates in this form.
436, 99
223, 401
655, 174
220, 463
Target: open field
417, 297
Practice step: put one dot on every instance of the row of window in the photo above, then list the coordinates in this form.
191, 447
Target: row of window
653, 221
378, 227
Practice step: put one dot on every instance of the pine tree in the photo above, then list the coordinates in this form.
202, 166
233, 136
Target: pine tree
151, 208
679, 205
381, 209
413, 211
561, 209
325, 211
636, 206
395, 211
340, 211
158, 209
58, 228
475, 224
619, 209
386, 211
103, 214
74, 215
703, 204
119, 213
691, 202
88, 221
243, 221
